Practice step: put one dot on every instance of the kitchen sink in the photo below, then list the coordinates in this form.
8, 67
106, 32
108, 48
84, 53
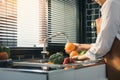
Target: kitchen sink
37, 64
40, 65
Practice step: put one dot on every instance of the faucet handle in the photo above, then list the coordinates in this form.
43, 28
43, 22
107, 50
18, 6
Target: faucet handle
44, 59
45, 52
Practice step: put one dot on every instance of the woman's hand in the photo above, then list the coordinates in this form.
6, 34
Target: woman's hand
77, 47
80, 47
80, 57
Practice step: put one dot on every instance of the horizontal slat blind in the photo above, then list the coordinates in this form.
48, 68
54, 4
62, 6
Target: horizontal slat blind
42, 20
62, 18
8, 22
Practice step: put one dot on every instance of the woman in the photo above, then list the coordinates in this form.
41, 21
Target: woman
107, 44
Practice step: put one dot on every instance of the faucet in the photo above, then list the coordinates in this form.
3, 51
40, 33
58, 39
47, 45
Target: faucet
46, 40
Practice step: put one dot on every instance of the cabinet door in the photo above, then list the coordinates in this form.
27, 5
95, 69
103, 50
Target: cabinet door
12, 75
97, 72
62, 75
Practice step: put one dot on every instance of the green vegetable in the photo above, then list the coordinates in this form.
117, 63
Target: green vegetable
82, 52
57, 58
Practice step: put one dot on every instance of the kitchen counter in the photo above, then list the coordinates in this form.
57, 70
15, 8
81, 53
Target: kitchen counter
87, 72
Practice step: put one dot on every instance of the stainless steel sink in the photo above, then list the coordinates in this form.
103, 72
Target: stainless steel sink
37, 64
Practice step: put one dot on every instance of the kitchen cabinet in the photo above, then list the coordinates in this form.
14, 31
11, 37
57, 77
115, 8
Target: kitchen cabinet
96, 72
7, 74
88, 73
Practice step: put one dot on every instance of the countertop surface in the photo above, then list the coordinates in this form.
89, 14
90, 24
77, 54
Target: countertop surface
36, 67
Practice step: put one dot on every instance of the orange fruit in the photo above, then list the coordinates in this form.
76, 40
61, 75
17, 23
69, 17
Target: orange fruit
69, 47
49, 62
74, 66
67, 67
73, 53
3, 56
68, 51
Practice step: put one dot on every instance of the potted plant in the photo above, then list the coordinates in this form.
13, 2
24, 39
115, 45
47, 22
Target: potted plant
4, 52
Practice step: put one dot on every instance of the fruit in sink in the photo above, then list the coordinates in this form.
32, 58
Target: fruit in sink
49, 62
69, 47
56, 58
67, 67
73, 53
82, 52
68, 61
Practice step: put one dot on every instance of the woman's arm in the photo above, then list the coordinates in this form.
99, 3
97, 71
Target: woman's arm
80, 47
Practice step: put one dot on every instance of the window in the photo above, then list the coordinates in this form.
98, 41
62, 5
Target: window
62, 18
26, 23
8, 22
31, 23
22, 22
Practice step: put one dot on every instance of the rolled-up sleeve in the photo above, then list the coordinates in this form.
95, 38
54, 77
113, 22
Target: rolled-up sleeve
109, 29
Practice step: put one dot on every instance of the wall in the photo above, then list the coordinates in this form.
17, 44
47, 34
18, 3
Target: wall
91, 13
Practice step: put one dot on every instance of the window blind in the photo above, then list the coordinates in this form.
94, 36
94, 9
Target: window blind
8, 22
47, 19
43, 20
62, 18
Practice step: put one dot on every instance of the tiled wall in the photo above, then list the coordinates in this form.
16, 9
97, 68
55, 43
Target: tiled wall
92, 12
22, 53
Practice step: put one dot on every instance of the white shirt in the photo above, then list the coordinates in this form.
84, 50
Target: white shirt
110, 28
